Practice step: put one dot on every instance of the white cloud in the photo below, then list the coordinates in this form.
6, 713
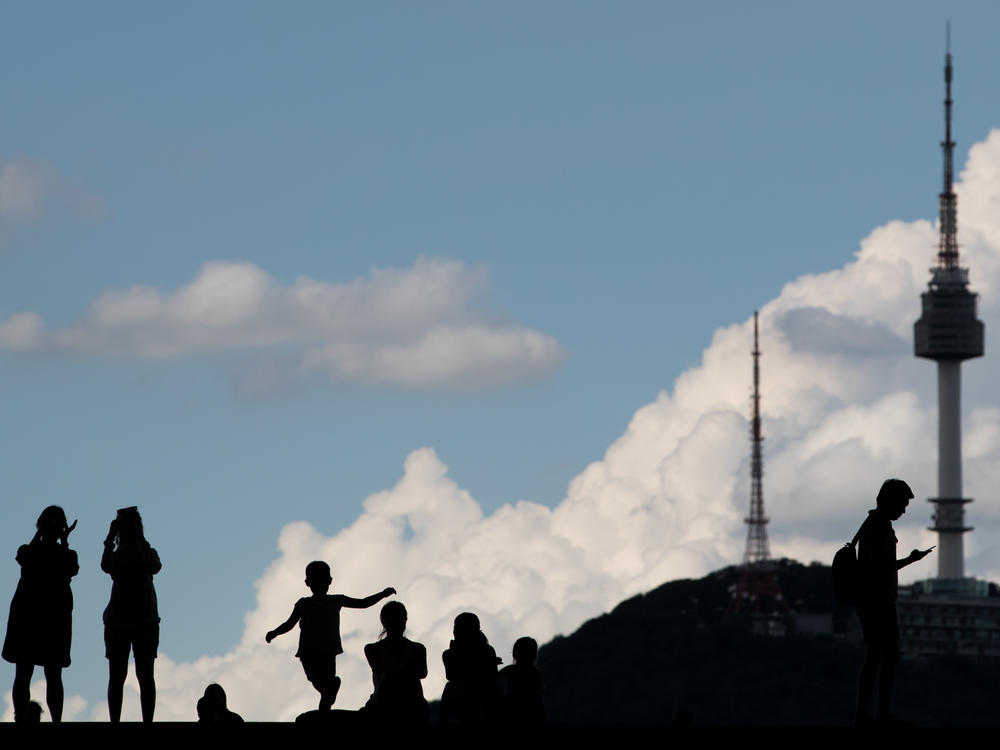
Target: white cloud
845, 405
668, 498
412, 327
477, 354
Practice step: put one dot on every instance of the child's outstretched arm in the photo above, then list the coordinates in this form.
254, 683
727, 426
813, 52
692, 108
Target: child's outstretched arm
284, 627
350, 601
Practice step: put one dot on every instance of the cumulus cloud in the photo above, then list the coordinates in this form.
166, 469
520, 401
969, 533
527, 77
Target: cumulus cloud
412, 327
815, 329
668, 498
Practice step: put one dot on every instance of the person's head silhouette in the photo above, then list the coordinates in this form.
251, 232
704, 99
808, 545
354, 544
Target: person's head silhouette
525, 650
466, 626
318, 577
51, 524
128, 527
393, 617
893, 497
30, 714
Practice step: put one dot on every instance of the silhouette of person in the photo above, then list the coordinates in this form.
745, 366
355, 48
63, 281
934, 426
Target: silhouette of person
40, 625
398, 665
521, 686
31, 715
318, 618
132, 618
876, 607
212, 707
470, 664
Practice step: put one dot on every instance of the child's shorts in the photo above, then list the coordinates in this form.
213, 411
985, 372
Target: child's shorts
319, 666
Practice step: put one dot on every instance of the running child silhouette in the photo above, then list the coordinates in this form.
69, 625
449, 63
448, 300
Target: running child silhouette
318, 618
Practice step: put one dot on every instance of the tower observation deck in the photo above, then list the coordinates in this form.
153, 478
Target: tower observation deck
948, 332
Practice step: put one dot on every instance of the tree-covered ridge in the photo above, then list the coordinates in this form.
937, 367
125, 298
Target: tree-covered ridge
670, 648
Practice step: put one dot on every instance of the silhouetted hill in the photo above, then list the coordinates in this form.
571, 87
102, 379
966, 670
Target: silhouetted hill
670, 648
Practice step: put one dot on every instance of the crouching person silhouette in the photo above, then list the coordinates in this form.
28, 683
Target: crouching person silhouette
318, 618
878, 584
212, 708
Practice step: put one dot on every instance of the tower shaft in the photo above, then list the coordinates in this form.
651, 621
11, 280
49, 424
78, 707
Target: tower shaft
949, 515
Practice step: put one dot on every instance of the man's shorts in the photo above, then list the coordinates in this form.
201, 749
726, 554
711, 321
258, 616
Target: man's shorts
143, 641
880, 627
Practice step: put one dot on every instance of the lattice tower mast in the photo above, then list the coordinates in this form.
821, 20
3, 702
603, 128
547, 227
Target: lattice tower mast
949, 332
758, 550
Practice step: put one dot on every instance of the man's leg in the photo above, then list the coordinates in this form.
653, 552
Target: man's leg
890, 657
870, 667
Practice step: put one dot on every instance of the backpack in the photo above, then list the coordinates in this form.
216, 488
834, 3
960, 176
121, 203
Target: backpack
847, 573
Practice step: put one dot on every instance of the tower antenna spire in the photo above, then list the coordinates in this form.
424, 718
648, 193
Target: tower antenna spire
758, 550
947, 202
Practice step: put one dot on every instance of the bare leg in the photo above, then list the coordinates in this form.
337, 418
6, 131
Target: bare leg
117, 672
21, 692
147, 687
54, 692
328, 693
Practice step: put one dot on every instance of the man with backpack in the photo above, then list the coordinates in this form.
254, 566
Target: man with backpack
877, 584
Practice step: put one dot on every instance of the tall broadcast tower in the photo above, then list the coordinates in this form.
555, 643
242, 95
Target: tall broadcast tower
948, 332
757, 551
758, 588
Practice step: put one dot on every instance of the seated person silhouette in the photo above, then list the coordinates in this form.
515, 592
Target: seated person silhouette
30, 715
212, 707
318, 618
40, 625
470, 664
521, 685
398, 665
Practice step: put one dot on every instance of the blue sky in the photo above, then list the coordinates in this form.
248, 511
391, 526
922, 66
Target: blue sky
626, 178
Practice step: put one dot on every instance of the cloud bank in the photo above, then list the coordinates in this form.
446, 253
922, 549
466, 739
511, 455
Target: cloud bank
412, 328
845, 405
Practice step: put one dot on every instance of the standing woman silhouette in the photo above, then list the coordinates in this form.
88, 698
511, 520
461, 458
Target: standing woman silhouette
40, 625
131, 619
